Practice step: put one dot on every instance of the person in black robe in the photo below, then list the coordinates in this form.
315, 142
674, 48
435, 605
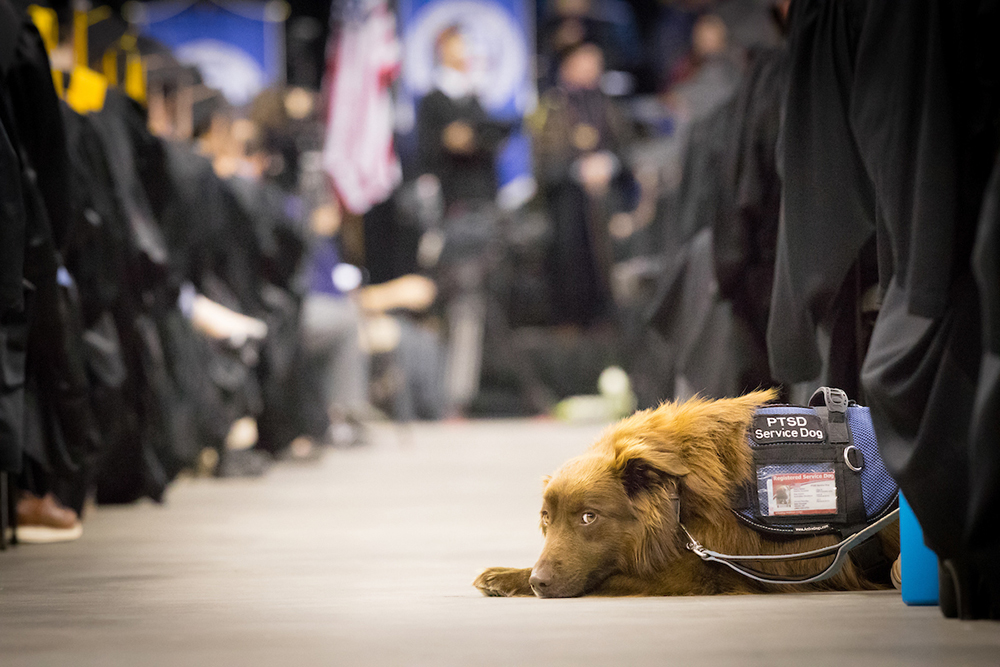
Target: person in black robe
891, 131
13, 318
457, 141
59, 431
579, 157
458, 145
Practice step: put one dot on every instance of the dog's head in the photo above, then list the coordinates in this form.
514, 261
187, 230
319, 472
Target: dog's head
615, 510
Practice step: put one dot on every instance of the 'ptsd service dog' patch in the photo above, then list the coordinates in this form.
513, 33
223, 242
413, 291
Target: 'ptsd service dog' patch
768, 429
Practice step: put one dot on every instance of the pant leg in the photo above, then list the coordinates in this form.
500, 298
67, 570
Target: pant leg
421, 359
347, 383
333, 355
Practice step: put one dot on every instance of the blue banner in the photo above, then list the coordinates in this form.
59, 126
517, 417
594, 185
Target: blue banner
237, 46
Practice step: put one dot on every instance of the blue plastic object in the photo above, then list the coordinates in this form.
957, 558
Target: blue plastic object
920, 564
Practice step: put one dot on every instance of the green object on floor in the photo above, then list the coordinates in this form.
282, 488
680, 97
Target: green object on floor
615, 400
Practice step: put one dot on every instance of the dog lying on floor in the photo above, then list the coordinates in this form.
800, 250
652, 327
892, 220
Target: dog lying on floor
612, 526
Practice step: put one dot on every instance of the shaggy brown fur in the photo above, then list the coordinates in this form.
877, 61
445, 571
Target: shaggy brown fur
610, 516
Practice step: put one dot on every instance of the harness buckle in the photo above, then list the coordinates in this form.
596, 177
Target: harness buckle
697, 549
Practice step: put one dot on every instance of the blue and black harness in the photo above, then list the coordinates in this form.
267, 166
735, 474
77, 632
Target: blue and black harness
818, 472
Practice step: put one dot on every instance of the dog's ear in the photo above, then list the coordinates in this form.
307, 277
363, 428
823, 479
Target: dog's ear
708, 435
642, 472
698, 443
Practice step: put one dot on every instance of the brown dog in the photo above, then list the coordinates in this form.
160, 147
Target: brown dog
610, 517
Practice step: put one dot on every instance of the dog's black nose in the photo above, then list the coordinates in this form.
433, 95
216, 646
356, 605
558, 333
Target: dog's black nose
541, 577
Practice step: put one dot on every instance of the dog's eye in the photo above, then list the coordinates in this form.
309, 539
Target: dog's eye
588, 518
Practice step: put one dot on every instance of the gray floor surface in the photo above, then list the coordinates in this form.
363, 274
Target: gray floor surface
366, 558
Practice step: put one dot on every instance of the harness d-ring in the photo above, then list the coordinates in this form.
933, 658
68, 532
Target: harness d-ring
847, 458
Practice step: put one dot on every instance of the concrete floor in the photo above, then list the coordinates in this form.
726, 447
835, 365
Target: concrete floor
367, 558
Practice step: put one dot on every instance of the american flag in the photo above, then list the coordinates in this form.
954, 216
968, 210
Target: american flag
362, 62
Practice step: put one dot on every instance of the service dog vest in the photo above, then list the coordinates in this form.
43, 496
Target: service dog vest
817, 469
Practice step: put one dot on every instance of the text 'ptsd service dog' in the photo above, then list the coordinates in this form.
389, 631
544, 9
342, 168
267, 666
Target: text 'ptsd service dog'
612, 518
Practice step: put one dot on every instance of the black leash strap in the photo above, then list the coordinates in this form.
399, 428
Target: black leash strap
841, 550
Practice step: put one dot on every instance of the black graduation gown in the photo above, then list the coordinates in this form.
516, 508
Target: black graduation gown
60, 431
929, 158
13, 221
984, 478
892, 124
828, 200
581, 253
746, 227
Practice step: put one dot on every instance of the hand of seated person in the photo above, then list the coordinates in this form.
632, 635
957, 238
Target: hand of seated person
216, 321
411, 292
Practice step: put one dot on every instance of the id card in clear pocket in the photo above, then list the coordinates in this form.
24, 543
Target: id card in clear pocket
797, 489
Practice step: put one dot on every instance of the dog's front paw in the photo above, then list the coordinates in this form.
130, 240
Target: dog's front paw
504, 582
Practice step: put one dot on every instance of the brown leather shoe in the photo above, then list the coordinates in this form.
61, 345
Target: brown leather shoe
44, 520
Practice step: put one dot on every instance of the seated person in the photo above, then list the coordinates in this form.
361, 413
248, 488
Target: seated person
342, 326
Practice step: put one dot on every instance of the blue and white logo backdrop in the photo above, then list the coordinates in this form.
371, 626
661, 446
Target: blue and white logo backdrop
500, 44
238, 46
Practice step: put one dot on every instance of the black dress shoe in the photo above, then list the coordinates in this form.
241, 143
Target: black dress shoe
969, 586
